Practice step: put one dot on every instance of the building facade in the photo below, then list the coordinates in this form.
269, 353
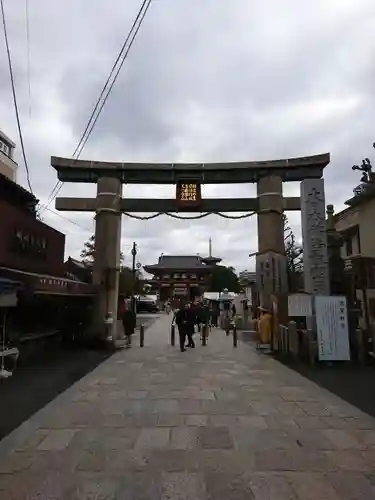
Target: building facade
32, 257
181, 275
8, 167
356, 226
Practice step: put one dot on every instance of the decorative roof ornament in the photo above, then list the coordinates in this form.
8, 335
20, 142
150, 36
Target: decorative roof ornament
368, 177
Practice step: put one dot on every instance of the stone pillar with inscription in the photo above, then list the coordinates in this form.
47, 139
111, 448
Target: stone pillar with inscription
271, 267
107, 254
314, 235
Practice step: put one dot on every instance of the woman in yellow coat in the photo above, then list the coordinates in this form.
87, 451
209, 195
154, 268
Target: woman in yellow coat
265, 326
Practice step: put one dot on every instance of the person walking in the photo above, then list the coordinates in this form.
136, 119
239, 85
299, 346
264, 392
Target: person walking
184, 320
128, 322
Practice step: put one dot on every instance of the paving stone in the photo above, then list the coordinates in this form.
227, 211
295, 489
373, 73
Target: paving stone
342, 439
157, 437
137, 394
252, 421
312, 486
196, 420
215, 438
260, 439
32, 442
183, 486
227, 486
315, 409
183, 438
96, 487
16, 462
111, 461
351, 485
366, 437
316, 440
139, 486
170, 420
188, 406
216, 423
223, 420
173, 460
264, 408
116, 439
137, 406
280, 422
270, 486
57, 440
165, 406
364, 423
350, 460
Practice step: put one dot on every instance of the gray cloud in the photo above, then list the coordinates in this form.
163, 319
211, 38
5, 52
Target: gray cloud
205, 81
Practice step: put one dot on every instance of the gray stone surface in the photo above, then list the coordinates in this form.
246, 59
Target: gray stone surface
211, 423
314, 235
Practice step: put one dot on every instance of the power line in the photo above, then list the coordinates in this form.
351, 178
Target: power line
68, 220
92, 121
134, 35
109, 77
14, 96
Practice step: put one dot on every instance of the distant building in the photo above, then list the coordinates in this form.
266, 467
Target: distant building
182, 275
8, 167
356, 226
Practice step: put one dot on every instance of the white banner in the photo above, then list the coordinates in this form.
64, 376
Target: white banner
299, 304
332, 328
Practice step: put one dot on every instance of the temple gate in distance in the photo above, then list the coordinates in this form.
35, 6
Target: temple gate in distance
269, 205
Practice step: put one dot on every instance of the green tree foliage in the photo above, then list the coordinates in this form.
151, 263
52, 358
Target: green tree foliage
126, 281
294, 259
126, 274
88, 251
224, 277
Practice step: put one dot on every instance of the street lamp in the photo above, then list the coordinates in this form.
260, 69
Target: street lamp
134, 254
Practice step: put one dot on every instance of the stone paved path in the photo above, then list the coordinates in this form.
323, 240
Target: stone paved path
214, 423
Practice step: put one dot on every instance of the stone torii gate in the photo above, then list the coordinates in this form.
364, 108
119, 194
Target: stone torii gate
188, 178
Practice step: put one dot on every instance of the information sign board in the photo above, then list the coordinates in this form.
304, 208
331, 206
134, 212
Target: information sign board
332, 328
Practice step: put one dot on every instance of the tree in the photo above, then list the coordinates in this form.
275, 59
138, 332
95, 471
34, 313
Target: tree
126, 281
88, 251
294, 258
224, 277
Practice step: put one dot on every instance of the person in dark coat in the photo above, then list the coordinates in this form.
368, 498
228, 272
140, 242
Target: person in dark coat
128, 321
185, 320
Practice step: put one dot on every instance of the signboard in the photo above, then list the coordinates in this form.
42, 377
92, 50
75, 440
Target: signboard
314, 234
180, 290
332, 328
299, 304
188, 193
8, 300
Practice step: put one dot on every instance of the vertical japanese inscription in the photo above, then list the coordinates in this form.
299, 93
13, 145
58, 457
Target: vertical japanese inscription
315, 256
188, 192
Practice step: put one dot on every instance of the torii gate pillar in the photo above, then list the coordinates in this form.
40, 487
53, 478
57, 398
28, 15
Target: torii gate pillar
107, 254
271, 265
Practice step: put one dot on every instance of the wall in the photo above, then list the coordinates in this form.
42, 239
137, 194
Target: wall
366, 229
8, 167
28, 244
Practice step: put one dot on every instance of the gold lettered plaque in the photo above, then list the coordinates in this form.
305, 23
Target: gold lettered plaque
188, 193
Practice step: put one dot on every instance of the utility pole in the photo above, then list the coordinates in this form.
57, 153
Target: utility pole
134, 254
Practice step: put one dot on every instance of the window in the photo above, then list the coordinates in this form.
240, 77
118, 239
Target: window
4, 148
349, 246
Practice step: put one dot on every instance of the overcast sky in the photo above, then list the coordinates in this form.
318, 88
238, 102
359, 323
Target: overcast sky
206, 80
